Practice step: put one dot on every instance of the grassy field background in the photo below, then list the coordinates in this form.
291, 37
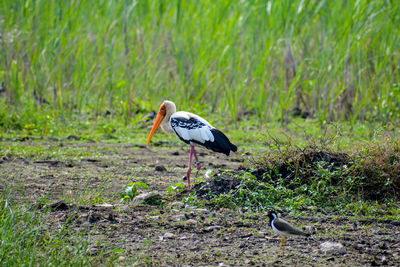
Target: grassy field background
78, 60
309, 91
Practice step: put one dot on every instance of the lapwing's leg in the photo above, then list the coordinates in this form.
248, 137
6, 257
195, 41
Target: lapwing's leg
284, 245
198, 165
280, 248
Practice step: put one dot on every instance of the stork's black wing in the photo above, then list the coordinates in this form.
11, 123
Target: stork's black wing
194, 130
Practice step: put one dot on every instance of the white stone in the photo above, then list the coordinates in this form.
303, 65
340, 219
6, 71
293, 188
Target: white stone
178, 217
177, 204
308, 229
332, 248
169, 235
192, 222
104, 205
202, 210
212, 228
145, 196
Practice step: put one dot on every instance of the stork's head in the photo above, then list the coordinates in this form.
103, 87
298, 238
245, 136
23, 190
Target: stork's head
165, 112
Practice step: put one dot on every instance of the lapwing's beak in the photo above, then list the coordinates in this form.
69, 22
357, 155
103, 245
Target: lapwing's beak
157, 122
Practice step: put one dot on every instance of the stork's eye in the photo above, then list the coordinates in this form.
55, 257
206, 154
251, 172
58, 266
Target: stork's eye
162, 109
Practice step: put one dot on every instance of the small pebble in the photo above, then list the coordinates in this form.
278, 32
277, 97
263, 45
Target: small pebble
192, 222
335, 248
160, 168
169, 235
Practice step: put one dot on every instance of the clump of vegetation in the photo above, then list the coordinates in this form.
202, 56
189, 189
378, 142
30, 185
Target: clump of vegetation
309, 177
377, 168
296, 166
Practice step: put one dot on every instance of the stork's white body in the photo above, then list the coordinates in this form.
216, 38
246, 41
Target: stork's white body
193, 130
199, 133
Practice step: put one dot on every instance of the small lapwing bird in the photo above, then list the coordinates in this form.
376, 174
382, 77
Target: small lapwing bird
283, 228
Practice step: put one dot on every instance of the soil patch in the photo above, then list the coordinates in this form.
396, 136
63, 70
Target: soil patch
220, 183
86, 195
192, 236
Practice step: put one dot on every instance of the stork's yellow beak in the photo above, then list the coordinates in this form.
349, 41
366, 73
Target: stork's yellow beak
157, 122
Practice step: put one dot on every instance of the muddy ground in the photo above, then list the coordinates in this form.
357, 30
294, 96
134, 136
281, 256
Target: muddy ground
88, 189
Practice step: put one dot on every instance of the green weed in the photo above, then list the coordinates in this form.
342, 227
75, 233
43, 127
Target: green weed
132, 190
178, 187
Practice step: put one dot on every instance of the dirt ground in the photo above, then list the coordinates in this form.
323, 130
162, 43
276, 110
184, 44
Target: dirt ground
88, 190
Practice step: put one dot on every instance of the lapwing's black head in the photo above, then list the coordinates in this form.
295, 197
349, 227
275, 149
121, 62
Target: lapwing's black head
272, 216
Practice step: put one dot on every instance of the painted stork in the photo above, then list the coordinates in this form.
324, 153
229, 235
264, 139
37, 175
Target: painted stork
193, 130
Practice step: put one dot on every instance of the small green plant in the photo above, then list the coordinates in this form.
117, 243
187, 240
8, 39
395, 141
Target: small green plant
178, 187
191, 199
131, 190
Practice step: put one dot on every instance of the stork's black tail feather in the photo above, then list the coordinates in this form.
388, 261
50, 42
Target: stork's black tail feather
221, 143
233, 147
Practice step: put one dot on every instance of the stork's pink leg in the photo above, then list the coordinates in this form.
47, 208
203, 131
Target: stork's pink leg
198, 165
190, 166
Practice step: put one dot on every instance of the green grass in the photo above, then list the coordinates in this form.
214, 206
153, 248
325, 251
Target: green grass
46, 152
121, 58
27, 240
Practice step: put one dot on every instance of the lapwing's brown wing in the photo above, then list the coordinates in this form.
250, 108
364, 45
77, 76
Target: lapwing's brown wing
284, 227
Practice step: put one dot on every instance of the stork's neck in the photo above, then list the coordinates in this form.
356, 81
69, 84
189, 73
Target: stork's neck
166, 125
